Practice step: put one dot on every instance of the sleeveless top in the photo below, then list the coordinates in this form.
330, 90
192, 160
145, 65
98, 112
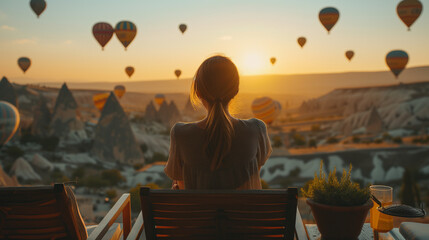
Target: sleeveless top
240, 168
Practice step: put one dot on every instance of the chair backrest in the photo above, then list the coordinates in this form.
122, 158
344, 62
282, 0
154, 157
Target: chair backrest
45, 212
217, 214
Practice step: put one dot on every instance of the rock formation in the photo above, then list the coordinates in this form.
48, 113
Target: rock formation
7, 92
66, 123
151, 114
374, 124
114, 140
175, 115
41, 163
41, 119
169, 114
6, 181
164, 113
23, 170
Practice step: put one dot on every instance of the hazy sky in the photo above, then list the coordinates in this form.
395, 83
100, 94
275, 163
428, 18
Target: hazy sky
61, 45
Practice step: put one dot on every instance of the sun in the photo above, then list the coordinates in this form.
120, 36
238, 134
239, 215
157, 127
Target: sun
252, 63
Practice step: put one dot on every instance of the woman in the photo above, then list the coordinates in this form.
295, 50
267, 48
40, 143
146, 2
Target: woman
219, 152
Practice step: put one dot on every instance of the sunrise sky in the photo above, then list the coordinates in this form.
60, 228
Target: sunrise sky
62, 48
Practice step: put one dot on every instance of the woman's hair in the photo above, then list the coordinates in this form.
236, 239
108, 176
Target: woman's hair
216, 82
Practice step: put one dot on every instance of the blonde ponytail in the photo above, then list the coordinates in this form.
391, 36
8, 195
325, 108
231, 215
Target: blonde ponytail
219, 133
217, 83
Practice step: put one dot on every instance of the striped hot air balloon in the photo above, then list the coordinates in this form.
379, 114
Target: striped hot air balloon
102, 32
266, 109
397, 60
119, 90
302, 41
350, 54
24, 63
126, 32
408, 11
9, 121
129, 71
100, 99
329, 17
273, 60
159, 98
38, 6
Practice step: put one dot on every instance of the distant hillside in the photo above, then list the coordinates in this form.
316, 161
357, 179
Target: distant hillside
305, 85
399, 106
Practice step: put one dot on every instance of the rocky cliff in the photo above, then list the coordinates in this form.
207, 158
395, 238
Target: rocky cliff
114, 141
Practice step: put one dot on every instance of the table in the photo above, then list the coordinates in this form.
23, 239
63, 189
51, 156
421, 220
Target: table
366, 234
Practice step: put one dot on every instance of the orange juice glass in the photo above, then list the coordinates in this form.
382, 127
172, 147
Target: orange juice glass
381, 222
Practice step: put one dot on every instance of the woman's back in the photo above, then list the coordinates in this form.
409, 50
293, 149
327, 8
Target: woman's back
188, 162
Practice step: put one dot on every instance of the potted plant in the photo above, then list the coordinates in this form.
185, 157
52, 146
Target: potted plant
338, 206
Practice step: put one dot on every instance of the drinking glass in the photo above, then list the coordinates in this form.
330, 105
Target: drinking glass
381, 222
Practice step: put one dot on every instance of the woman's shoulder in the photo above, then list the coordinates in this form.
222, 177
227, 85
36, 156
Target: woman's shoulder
181, 127
254, 123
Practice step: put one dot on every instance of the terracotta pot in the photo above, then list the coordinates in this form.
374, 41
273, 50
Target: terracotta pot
337, 222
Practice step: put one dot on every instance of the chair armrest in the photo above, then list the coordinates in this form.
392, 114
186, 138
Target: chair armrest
123, 205
300, 232
137, 229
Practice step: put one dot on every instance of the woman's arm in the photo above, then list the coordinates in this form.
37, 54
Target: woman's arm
178, 185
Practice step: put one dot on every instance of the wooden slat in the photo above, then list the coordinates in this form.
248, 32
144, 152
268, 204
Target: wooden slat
254, 230
256, 215
34, 236
184, 214
31, 224
215, 198
257, 223
185, 231
225, 207
30, 209
35, 217
137, 229
33, 231
197, 237
122, 204
300, 231
184, 222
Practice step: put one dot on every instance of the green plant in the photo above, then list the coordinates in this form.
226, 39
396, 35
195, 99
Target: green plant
332, 140
14, 152
397, 140
277, 141
331, 191
49, 143
298, 139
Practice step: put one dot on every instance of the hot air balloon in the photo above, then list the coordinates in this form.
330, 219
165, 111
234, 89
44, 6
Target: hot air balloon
329, 17
126, 32
265, 109
38, 6
408, 11
119, 90
302, 41
177, 72
273, 60
350, 54
102, 32
100, 99
24, 63
159, 98
129, 70
396, 60
182, 28
9, 121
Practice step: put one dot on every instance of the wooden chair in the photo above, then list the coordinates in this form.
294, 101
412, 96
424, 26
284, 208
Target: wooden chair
51, 212
192, 214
